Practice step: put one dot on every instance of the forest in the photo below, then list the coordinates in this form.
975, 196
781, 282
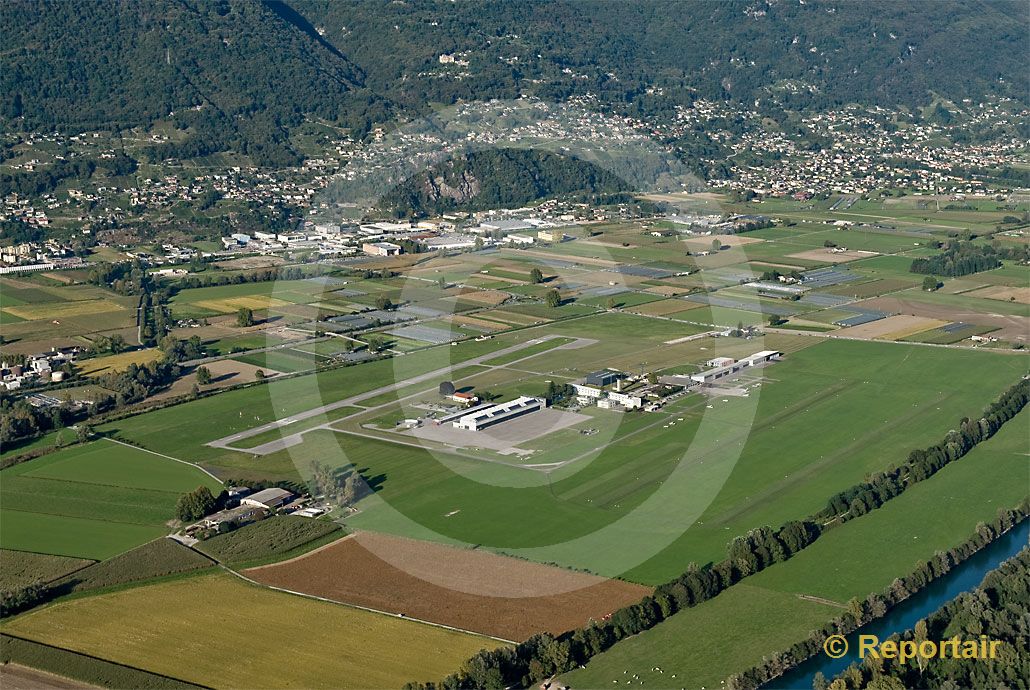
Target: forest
963, 258
240, 74
498, 178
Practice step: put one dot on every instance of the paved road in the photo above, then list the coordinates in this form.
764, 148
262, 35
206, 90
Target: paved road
227, 441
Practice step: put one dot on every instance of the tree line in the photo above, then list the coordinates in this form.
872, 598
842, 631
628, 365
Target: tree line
545, 655
862, 611
999, 608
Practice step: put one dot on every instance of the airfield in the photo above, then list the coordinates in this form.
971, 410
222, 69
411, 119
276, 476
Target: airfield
576, 509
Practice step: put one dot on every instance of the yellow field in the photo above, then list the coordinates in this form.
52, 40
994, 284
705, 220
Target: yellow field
60, 310
461, 320
664, 307
221, 632
228, 305
119, 362
491, 297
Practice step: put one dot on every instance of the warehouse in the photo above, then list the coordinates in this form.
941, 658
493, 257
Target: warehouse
482, 418
605, 377
711, 375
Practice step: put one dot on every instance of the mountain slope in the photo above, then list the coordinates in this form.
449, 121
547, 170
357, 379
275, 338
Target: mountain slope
235, 69
238, 74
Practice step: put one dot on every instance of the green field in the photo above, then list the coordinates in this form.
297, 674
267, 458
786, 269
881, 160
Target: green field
812, 405
91, 501
159, 558
287, 361
764, 614
215, 623
280, 536
628, 480
20, 568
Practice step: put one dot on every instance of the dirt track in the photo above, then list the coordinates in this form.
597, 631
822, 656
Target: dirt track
512, 599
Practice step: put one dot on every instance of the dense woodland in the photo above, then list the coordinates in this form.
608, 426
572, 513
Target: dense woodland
963, 258
240, 74
499, 178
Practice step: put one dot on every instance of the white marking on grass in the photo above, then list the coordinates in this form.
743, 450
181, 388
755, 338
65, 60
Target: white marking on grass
167, 457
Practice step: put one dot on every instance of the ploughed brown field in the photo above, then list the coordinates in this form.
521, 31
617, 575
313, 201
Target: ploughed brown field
473, 590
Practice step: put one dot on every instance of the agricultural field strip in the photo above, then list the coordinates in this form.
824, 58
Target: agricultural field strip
227, 441
162, 455
359, 607
835, 335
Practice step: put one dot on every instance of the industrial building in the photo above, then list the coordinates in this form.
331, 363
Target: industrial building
381, 248
488, 415
605, 377
710, 375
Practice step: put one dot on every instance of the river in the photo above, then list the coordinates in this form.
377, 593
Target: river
962, 578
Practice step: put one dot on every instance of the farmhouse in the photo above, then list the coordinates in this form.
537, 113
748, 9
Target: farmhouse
268, 498
710, 375
465, 397
488, 416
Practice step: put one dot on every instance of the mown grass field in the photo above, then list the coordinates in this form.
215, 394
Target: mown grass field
91, 501
736, 473
815, 403
235, 633
764, 614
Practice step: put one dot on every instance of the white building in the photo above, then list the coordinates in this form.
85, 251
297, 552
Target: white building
585, 391
484, 417
711, 375
630, 402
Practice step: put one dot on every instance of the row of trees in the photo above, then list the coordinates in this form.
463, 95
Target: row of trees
998, 608
262, 276
20, 421
124, 277
543, 655
861, 611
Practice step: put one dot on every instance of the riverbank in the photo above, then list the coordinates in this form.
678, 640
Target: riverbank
705, 644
